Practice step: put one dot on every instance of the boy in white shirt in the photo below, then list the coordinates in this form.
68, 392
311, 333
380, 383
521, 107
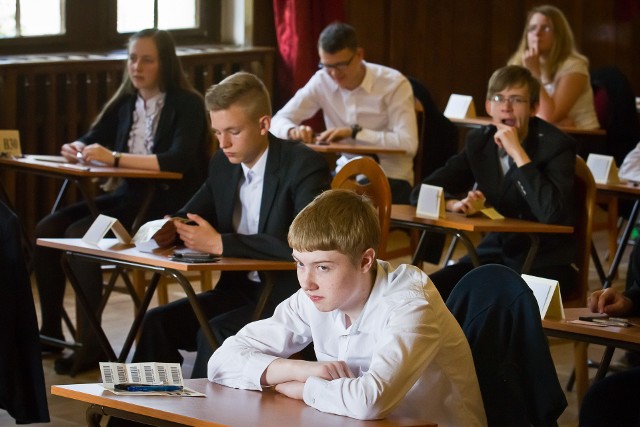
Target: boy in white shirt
384, 338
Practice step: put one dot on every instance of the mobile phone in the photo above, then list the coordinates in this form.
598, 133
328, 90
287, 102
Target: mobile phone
594, 316
195, 257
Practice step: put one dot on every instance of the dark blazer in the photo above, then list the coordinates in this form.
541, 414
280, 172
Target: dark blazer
501, 320
539, 191
182, 143
22, 387
293, 177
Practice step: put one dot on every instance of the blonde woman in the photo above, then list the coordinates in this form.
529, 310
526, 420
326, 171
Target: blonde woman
548, 50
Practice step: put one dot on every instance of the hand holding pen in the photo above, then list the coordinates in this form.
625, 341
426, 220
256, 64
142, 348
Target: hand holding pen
72, 152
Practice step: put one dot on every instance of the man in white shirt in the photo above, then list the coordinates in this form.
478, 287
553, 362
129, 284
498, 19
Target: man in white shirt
383, 338
370, 103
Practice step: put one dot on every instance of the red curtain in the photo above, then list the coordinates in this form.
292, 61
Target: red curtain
298, 24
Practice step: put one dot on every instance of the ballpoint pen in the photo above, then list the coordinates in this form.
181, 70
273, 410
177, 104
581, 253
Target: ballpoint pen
147, 387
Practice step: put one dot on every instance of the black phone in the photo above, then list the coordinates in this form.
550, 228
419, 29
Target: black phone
196, 259
591, 317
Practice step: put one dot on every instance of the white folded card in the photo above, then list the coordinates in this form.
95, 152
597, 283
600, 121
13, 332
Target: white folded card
430, 202
547, 293
603, 168
460, 107
99, 228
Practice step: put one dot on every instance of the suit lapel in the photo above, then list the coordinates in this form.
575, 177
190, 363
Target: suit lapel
271, 182
165, 123
229, 198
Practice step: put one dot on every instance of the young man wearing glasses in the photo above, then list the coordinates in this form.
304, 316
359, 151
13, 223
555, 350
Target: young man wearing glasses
524, 168
367, 102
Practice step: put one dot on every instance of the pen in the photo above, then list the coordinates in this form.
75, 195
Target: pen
147, 387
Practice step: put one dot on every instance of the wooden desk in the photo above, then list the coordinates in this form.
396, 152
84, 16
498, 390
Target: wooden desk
81, 176
352, 147
610, 336
159, 262
222, 406
623, 190
459, 224
477, 122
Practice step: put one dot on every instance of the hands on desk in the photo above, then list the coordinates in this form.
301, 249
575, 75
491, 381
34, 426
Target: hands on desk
469, 205
72, 151
200, 237
611, 302
307, 135
290, 375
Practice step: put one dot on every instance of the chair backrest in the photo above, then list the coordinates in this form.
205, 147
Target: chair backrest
364, 176
585, 199
417, 159
500, 318
438, 135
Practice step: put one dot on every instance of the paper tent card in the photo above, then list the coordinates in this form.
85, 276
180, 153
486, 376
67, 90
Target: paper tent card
430, 202
603, 168
547, 294
460, 107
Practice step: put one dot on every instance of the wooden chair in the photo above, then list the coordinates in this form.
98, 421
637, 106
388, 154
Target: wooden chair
364, 176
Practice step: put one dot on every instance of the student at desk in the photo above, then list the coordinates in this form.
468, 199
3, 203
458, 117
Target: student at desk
257, 184
613, 401
156, 122
548, 50
384, 338
524, 168
368, 102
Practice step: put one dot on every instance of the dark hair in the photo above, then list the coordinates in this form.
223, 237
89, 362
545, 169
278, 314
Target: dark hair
171, 74
241, 88
337, 36
514, 76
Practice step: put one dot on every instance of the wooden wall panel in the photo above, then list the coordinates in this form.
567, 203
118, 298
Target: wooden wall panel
454, 46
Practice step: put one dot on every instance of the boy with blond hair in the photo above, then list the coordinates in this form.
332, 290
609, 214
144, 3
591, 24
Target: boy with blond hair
383, 338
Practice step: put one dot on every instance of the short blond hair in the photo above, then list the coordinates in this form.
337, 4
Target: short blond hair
242, 89
339, 220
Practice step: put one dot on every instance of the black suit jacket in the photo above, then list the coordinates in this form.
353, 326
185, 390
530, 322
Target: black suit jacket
22, 387
539, 191
294, 176
181, 143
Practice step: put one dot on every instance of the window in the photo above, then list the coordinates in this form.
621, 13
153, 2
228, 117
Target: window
24, 18
163, 14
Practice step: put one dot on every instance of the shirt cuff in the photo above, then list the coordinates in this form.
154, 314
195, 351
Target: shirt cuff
312, 389
256, 366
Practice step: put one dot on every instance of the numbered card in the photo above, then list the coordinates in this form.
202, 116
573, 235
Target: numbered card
10, 143
430, 202
547, 294
101, 226
603, 168
460, 107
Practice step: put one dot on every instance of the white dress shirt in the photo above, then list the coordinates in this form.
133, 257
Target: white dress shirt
630, 168
406, 350
146, 116
246, 214
382, 105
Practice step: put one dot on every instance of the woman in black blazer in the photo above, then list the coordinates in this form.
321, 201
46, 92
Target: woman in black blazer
156, 122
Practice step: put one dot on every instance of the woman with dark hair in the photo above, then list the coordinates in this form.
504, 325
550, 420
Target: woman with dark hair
548, 50
156, 122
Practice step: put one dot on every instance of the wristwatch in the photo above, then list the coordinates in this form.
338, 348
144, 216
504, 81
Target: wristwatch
354, 130
116, 158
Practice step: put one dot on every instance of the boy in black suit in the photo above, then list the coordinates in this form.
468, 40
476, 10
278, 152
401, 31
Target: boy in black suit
257, 184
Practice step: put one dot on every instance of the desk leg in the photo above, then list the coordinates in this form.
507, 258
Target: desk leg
531, 255
95, 413
622, 245
582, 371
63, 189
264, 296
197, 309
471, 250
137, 321
84, 304
604, 363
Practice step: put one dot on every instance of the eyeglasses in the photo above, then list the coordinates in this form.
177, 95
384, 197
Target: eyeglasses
544, 28
339, 66
513, 100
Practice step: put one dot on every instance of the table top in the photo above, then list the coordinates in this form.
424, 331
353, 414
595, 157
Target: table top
616, 336
112, 249
223, 406
483, 121
623, 189
351, 146
57, 165
407, 214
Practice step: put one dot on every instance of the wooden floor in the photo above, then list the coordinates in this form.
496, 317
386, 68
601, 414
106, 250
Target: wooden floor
119, 314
